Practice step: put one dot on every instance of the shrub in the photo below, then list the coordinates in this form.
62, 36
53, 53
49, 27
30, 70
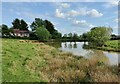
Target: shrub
42, 34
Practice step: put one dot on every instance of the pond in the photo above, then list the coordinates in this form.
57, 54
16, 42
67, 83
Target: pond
77, 49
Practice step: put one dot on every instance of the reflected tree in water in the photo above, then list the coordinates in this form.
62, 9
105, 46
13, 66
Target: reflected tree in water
70, 45
65, 45
75, 45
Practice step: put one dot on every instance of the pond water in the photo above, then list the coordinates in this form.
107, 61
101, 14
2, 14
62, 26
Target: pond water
77, 49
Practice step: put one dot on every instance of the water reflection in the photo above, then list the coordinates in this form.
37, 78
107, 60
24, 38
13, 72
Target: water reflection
77, 49
75, 45
70, 45
54, 44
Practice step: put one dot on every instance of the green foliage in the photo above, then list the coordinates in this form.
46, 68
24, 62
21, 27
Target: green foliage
20, 24
113, 44
24, 25
56, 35
65, 35
48, 25
37, 23
99, 35
42, 33
16, 24
5, 30
75, 37
84, 36
70, 35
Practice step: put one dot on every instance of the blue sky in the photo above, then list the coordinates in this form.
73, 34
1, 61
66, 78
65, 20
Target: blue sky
75, 17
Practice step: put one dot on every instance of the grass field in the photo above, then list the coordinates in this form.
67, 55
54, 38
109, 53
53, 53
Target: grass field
28, 61
112, 45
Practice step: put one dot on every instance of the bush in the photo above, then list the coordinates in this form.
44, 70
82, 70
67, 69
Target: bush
42, 34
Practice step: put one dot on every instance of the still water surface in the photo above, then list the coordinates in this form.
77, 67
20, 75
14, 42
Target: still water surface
77, 49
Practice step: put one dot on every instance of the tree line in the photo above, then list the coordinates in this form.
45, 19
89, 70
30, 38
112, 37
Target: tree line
44, 30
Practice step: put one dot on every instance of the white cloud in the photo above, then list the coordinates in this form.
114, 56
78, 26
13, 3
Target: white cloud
82, 23
81, 12
73, 13
91, 26
117, 20
65, 5
59, 14
111, 4
94, 13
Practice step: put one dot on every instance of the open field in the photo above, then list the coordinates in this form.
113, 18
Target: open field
27, 61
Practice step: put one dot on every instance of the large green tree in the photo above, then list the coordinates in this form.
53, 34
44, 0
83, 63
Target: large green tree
42, 34
37, 23
16, 24
99, 35
5, 30
20, 24
48, 25
24, 25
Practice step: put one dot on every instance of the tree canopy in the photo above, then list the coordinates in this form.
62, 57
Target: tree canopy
37, 23
99, 35
48, 25
19, 24
42, 33
5, 30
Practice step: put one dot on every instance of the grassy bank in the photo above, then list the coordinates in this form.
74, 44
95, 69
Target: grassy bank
112, 45
30, 61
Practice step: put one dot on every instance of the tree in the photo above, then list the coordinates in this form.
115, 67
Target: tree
75, 37
99, 35
5, 30
42, 34
56, 35
70, 36
84, 37
16, 24
20, 24
65, 37
37, 23
50, 27
24, 25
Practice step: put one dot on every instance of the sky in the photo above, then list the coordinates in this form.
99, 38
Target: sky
74, 17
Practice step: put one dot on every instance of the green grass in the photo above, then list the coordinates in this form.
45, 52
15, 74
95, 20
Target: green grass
14, 58
112, 45
27, 61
